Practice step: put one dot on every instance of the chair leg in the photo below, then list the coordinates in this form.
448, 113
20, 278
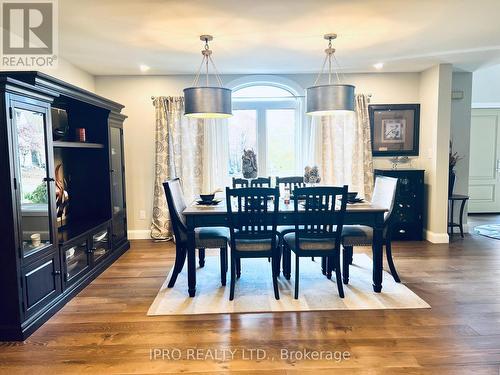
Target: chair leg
345, 266
297, 258
329, 267
238, 267
233, 276
223, 267
201, 257
338, 274
323, 265
180, 259
287, 262
348, 250
392, 267
275, 271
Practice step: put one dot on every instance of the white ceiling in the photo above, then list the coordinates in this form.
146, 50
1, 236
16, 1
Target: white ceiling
114, 37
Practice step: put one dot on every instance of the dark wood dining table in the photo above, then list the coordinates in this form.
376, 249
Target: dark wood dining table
216, 216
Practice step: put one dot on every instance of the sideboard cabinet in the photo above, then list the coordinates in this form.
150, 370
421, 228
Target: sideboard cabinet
62, 195
409, 204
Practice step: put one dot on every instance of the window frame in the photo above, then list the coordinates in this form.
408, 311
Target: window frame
261, 105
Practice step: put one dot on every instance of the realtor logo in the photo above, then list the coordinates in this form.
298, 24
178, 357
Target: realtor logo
29, 33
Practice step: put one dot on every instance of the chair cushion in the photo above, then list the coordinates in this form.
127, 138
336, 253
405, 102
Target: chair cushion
357, 235
312, 243
211, 237
258, 244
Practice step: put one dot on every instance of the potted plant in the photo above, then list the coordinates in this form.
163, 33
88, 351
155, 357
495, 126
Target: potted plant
453, 160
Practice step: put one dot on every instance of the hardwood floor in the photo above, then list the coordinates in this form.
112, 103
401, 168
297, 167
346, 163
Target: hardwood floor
105, 330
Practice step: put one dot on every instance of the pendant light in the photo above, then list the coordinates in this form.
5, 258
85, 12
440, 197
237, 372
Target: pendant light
324, 100
207, 101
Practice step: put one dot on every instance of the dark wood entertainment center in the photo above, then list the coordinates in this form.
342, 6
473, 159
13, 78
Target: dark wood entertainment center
62, 197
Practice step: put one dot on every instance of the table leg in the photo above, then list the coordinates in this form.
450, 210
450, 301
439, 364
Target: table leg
462, 206
377, 249
191, 255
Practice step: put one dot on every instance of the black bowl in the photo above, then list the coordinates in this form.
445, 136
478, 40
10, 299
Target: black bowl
352, 195
207, 198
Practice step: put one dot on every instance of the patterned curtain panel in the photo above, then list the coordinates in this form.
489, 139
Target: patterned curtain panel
341, 147
179, 153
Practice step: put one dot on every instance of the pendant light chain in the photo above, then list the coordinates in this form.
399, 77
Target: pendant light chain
206, 61
330, 54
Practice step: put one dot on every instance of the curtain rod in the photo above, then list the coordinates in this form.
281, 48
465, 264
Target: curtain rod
269, 97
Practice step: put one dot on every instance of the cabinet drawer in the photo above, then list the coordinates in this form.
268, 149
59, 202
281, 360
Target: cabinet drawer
41, 283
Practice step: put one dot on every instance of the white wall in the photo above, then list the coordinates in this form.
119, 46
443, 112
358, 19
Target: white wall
70, 73
135, 93
460, 133
486, 87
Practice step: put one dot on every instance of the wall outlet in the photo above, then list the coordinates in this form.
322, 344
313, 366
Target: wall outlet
142, 215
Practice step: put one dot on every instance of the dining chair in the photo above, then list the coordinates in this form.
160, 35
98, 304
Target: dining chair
261, 182
240, 182
384, 194
252, 217
209, 237
290, 182
318, 229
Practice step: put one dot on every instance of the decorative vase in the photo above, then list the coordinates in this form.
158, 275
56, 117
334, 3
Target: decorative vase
249, 164
451, 182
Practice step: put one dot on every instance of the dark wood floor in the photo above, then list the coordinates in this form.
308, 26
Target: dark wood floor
105, 329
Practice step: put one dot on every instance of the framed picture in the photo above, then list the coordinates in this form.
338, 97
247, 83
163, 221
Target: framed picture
394, 129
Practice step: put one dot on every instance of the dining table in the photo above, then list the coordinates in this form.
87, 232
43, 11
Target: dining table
364, 213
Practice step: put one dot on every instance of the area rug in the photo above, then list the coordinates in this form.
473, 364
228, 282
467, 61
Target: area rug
254, 291
488, 230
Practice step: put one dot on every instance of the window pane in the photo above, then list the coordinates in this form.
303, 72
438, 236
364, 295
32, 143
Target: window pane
280, 125
242, 132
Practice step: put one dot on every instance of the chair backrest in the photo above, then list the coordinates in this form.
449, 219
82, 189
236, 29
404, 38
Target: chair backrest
252, 213
384, 193
176, 205
261, 182
320, 212
239, 182
290, 182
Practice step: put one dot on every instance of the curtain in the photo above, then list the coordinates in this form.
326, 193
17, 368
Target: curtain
178, 153
341, 147
195, 150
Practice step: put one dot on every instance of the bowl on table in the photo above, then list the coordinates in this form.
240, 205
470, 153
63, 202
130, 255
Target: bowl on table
207, 198
351, 196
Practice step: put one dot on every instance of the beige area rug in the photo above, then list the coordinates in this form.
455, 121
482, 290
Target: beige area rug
254, 291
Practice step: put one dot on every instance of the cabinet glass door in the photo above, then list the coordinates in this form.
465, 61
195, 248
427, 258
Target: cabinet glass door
119, 227
76, 260
101, 245
32, 182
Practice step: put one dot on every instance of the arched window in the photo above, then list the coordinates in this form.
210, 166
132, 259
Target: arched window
267, 120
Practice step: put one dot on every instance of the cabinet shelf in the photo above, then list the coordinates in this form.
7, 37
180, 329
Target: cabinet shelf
68, 144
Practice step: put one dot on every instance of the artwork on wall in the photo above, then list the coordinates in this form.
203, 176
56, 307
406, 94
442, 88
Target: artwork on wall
394, 129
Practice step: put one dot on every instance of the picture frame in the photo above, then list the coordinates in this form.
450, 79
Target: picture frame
395, 129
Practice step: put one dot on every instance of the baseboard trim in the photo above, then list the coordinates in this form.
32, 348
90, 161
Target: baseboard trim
139, 234
437, 237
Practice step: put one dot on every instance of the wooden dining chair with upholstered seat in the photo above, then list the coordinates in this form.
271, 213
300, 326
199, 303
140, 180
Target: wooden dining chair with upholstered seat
205, 237
384, 194
253, 216
318, 229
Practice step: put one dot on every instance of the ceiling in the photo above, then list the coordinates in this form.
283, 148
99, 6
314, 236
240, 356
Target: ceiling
115, 37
